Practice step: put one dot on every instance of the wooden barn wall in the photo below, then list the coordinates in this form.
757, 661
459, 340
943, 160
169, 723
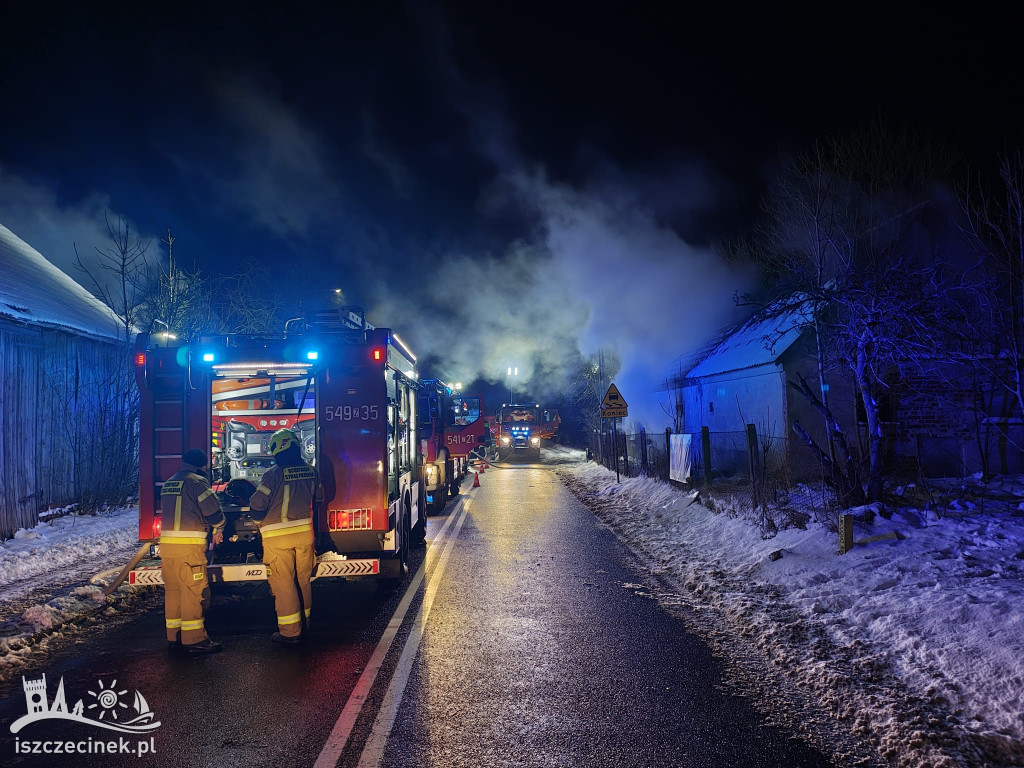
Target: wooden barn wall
38, 367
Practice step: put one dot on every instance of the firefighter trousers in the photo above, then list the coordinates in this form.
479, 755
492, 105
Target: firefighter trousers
290, 561
185, 587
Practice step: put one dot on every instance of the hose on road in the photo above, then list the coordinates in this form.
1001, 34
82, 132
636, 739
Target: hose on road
136, 558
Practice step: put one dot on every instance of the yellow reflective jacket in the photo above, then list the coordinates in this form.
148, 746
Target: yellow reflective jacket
287, 495
189, 508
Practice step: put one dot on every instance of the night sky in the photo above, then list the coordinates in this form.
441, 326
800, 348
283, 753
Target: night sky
499, 182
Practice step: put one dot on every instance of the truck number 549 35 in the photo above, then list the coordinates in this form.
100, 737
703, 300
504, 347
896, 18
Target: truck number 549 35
351, 412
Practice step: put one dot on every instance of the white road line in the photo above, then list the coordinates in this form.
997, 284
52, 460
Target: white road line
373, 751
335, 744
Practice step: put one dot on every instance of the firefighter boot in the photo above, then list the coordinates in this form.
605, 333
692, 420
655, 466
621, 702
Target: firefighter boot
277, 637
204, 646
175, 646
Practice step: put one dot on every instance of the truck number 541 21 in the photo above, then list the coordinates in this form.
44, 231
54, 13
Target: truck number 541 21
351, 412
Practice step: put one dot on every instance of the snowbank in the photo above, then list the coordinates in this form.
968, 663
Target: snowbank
914, 642
45, 580
65, 542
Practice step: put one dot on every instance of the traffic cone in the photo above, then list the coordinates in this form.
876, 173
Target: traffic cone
476, 480
486, 465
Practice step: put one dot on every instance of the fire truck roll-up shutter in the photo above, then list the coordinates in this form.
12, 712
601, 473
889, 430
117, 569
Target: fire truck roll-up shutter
163, 388
352, 412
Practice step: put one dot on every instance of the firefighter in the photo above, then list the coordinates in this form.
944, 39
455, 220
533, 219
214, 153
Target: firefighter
286, 498
190, 508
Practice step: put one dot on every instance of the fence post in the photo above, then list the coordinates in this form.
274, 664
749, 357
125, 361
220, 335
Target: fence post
705, 447
668, 453
600, 447
623, 443
845, 533
752, 463
644, 468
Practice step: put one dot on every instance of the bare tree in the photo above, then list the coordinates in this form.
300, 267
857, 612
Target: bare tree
102, 399
124, 263
249, 301
994, 226
579, 403
177, 299
836, 241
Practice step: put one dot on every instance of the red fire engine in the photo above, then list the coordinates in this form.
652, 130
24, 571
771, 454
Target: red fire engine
452, 431
519, 431
346, 388
549, 425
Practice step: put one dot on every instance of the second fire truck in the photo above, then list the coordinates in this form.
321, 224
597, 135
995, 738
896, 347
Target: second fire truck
453, 431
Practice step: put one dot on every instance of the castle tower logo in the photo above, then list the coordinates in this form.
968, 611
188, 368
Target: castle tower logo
107, 708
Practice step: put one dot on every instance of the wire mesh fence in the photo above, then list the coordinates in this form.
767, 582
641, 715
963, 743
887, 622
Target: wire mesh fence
698, 458
636, 454
767, 470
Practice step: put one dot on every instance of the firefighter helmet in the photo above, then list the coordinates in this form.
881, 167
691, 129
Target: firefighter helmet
281, 440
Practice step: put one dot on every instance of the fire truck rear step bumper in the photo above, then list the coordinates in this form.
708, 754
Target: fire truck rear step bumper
150, 575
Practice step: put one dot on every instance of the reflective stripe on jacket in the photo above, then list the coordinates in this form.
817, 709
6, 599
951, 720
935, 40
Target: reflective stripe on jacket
287, 494
189, 507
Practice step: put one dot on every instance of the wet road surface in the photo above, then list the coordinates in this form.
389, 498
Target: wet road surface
517, 644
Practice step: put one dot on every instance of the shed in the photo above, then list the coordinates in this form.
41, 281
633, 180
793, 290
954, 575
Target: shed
743, 379
56, 341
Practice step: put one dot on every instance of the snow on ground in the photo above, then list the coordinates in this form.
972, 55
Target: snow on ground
913, 641
47, 579
65, 542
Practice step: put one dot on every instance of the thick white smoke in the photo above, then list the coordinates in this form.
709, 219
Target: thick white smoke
599, 272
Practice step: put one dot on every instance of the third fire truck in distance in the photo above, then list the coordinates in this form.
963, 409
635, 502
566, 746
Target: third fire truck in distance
521, 429
347, 389
453, 431
518, 431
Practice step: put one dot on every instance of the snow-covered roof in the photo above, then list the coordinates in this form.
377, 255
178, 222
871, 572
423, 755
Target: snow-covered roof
34, 291
760, 340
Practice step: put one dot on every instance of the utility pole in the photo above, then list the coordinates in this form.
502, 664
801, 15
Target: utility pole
602, 387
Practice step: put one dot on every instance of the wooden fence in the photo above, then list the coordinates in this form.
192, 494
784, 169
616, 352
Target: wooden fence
50, 384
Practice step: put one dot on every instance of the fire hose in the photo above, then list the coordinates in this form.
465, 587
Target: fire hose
136, 558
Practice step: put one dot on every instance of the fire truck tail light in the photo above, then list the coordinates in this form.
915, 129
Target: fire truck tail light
349, 519
158, 525
378, 354
140, 359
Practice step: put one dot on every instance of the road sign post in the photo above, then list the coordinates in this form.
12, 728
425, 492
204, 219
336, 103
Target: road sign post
615, 442
614, 407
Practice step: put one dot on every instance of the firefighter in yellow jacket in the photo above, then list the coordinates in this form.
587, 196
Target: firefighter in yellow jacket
190, 508
286, 497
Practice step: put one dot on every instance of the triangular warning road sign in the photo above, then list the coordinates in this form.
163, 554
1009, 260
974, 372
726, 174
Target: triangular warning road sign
613, 399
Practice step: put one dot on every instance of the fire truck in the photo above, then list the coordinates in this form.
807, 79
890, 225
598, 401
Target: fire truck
518, 431
549, 425
345, 387
452, 431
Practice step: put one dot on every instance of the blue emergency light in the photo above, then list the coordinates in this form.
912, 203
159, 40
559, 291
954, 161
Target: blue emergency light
312, 355
207, 357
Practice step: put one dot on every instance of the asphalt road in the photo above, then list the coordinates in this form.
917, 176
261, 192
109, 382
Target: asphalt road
521, 643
